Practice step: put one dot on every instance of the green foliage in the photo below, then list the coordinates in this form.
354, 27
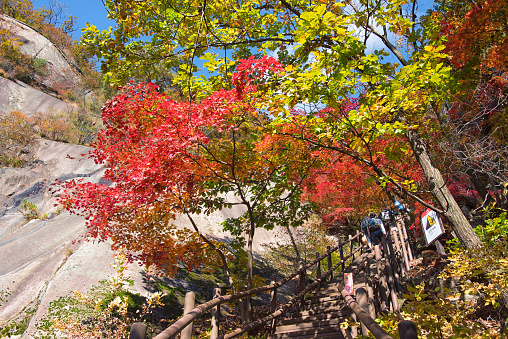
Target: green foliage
4, 294
495, 230
107, 311
480, 278
29, 210
309, 239
41, 66
19, 325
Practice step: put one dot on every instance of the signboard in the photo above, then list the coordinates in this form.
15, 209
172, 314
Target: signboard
432, 225
348, 282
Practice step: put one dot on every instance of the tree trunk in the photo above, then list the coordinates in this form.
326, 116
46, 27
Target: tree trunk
452, 211
297, 253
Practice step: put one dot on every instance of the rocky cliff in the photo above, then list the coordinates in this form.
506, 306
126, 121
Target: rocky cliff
16, 95
45, 258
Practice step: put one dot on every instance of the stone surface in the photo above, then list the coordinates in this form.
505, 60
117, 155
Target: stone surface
21, 97
61, 75
45, 259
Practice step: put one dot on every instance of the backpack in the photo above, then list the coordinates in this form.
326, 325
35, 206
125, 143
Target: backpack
373, 225
385, 215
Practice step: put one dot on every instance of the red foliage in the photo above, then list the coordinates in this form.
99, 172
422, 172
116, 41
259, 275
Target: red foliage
479, 36
152, 148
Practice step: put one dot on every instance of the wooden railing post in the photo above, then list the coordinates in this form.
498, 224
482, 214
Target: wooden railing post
359, 239
341, 251
273, 302
351, 248
407, 330
190, 298
318, 269
370, 291
410, 236
354, 328
408, 241
362, 300
397, 246
403, 245
248, 308
329, 258
383, 287
393, 262
138, 331
214, 333
301, 283
389, 275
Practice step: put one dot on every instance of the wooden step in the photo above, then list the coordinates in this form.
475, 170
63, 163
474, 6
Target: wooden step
330, 335
324, 305
314, 331
318, 298
315, 317
311, 322
330, 289
308, 312
325, 297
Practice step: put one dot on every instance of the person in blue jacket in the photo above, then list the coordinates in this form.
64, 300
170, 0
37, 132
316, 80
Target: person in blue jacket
373, 229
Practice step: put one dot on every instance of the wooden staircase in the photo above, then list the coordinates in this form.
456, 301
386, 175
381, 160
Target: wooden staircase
323, 309
320, 317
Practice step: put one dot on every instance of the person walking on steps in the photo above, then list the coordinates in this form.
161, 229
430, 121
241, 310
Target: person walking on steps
373, 229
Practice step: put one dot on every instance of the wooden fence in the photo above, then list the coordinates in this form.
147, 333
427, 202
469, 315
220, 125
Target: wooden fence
380, 289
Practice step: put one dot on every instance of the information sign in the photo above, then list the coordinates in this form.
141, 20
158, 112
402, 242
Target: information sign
432, 225
348, 282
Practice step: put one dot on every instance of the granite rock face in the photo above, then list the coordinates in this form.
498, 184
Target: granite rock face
20, 96
33, 252
17, 96
45, 259
38, 46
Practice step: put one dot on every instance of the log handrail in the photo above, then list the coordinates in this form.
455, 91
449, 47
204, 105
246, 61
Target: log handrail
282, 309
362, 315
185, 320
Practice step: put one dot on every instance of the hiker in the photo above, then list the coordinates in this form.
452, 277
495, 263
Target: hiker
385, 215
373, 229
400, 207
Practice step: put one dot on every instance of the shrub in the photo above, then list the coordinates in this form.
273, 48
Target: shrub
55, 127
17, 138
480, 273
29, 210
107, 311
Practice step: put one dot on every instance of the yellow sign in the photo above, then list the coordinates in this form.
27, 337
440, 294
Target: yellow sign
430, 221
432, 225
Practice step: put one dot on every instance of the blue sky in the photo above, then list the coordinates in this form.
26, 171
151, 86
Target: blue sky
91, 11
94, 12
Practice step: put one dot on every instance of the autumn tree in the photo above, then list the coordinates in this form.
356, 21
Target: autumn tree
474, 118
324, 48
168, 158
